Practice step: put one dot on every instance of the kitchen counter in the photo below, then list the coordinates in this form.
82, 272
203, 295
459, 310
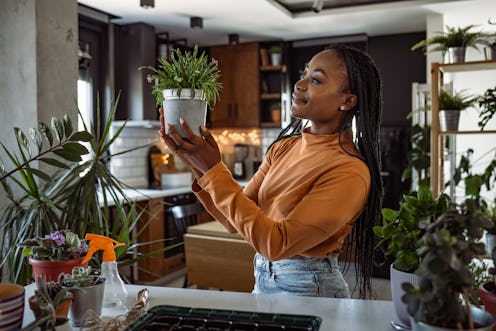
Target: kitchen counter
139, 194
336, 314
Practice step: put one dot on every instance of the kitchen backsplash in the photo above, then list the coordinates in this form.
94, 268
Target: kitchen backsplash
132, 168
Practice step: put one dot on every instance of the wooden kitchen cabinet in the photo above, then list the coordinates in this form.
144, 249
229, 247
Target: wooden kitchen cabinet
239, 101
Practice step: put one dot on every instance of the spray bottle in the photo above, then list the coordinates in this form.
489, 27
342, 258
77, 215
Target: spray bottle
115, 293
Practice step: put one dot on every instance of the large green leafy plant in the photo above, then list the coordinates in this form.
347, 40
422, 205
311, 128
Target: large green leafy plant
448, 246
453, 37
400, 229
487, 103
72, 194
191, 70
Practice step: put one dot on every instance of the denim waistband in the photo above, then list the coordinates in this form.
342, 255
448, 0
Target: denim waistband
297, 263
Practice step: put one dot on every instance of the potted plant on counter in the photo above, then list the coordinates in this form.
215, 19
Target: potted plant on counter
455, 41
87, 287
400, 231
55, 254
69, 193
184, 86
450, 106
448, 246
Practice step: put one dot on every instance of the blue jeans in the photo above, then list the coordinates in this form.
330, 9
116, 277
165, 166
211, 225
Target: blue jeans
317, 277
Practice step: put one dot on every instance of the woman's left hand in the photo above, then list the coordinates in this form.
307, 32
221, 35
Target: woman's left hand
202, 152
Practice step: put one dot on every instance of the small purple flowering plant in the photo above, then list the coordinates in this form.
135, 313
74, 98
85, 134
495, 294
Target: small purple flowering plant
61, 245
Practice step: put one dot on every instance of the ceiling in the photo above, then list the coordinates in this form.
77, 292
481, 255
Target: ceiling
258, 20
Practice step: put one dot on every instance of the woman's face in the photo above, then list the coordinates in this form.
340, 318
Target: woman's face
321, 91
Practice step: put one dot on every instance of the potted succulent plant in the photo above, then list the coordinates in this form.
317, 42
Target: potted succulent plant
87, 286
56, 253
448, 246
275, 112
184, 85
50, 296
400, 231
275, 55
455, 41
450, 106
487, 104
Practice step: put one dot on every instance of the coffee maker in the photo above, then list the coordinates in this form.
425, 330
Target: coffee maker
239, 167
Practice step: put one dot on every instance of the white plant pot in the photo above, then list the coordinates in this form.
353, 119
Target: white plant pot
490, 242
457, 54
397, 278
275, 59
192, 108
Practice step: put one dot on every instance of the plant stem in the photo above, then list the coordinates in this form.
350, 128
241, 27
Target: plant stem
8, 174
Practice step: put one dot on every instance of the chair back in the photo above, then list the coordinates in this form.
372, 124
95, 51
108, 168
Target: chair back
187, 215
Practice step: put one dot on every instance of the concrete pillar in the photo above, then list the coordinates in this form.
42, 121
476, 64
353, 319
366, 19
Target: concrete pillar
38, 63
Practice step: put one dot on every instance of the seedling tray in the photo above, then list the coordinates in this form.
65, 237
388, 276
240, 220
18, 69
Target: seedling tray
164, 317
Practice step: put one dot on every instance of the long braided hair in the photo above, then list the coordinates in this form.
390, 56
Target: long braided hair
365, 83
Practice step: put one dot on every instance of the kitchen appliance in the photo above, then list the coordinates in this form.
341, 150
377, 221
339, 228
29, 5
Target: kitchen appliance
247, 160
239, 167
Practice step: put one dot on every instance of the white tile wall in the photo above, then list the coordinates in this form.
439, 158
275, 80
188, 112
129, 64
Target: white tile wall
131, 167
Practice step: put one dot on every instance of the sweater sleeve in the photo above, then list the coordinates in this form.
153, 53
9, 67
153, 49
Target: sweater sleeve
333, 202
251, 191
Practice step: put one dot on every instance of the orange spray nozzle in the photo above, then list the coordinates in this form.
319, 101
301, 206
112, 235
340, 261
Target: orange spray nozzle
97, 242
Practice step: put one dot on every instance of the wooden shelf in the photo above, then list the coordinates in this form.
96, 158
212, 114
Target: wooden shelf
467, 66
446, 133
270, 125
273, 68
437, 136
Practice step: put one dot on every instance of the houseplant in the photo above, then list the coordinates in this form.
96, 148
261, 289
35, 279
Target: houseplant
275, 112
86, 286
54, 254
450, 106
455, 41
487, 290
50, 295
400, 231
487, 104
184, 86
69, 194
448, 246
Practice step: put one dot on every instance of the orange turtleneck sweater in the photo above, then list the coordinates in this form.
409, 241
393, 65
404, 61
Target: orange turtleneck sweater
302, 201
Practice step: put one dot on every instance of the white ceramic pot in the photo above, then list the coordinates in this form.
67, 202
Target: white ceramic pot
490, 242
190, 106
397, 278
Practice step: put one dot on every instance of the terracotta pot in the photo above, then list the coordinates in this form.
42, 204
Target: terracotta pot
61, 311
487, 292
49, 271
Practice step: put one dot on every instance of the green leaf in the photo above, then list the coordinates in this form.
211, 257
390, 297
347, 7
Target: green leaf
68, 155
54, 162
58, 128
83, 136
68, 129
45, 130
41, 175
76, 148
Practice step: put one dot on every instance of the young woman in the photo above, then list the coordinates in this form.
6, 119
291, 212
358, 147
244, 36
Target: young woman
315, 186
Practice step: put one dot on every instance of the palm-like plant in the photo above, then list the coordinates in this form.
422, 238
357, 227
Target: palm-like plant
453, 37
78, 196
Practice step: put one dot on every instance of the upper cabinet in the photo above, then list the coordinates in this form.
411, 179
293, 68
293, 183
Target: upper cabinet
239, 101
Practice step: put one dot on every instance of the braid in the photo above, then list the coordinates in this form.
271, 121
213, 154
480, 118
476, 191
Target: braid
365, 83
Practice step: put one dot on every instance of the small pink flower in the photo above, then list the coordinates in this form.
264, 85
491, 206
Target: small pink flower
149, 78
215, 61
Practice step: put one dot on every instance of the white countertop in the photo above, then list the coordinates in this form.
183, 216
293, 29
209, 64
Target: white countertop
336, 314
138, 194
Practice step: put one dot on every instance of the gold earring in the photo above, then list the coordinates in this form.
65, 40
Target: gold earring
342, 107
